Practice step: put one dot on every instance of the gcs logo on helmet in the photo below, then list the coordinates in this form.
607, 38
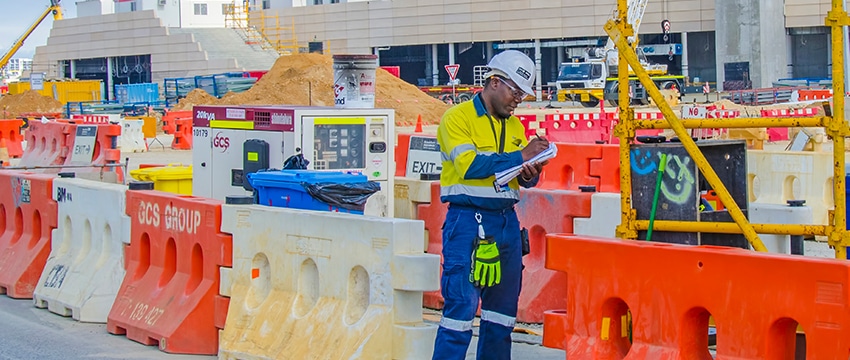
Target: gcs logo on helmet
221, 142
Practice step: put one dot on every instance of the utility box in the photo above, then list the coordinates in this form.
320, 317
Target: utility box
333, 139
683, 188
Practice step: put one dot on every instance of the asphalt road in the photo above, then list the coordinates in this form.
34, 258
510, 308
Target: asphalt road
27, 332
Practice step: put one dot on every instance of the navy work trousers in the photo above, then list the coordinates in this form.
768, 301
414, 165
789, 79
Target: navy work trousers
498, 303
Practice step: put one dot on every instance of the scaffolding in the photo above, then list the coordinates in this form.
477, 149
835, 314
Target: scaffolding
834, 123
279, 38
236, 17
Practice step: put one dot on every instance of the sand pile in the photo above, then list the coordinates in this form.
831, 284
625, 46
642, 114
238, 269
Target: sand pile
194, 97
307, 79
30, 101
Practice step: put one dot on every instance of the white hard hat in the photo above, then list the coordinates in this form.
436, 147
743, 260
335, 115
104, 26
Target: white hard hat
514, 65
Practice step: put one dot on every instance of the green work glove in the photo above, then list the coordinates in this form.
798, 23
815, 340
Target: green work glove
486, 267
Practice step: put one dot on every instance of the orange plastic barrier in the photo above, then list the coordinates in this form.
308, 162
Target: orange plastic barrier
814, 94
756, 300
434, 214
530, 123
170, 292
779, 134
10, 129
47, 144
27, 216
105, 149
587, 128
401, 149
91, 119
542, 212
606, 169
182, 135
52, 143
169, 124
790, 112
39, 115
582, 165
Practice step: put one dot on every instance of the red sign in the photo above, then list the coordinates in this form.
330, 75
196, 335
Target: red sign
452, 70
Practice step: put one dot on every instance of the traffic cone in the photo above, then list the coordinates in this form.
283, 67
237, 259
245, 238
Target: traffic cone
418, 124
4, 152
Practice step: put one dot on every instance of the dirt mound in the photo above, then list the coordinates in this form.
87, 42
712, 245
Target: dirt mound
194, 97
307, 79
30, 101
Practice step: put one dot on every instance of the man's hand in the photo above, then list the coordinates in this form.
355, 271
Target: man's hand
532, 170
535, 146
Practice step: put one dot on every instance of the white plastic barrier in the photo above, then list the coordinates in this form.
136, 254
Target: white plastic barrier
320, 285
604, 216
409, 193
778, 214
86, 265
774, 177
132, 139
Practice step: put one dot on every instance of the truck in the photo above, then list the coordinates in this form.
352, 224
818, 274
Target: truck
593, 77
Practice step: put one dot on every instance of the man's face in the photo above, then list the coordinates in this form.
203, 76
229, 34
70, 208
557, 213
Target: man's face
507, 96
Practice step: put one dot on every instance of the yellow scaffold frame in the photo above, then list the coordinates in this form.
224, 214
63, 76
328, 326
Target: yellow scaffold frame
836, 127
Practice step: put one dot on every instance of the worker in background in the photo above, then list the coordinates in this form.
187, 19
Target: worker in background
482, 251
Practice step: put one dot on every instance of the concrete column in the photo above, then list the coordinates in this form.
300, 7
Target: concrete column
73, 69
560, 56
489, 51
451, 53
377, 52
435, 71
685, 59
789, 43
109, 94
538, 65
746, 32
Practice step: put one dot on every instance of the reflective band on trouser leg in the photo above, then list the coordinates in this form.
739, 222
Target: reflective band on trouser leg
496, 318
456, 325
461, 297
499, 303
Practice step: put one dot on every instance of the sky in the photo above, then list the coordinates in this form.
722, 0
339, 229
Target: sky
20, 15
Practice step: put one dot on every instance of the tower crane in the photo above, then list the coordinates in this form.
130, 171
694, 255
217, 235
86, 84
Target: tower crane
57, 15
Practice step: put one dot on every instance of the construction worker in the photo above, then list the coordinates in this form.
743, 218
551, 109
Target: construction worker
482, 250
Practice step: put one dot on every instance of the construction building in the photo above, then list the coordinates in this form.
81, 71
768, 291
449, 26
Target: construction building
735, 43
16, 68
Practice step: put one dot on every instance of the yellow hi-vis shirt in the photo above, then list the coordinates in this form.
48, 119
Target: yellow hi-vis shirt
471, 158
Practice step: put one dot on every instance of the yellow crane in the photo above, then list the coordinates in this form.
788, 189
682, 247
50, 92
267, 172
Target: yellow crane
57, 15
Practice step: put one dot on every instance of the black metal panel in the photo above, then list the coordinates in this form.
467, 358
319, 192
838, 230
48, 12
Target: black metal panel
733, 240
679, 191
678, 195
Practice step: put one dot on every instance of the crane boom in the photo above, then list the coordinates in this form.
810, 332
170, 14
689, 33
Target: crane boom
636, 10
57, 15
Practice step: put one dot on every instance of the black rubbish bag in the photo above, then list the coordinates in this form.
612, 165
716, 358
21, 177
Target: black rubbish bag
347, 196
296, 162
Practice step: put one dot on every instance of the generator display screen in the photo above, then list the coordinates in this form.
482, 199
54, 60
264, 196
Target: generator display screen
339, 146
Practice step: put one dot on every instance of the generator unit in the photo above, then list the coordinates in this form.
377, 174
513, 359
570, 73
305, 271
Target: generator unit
232, 141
